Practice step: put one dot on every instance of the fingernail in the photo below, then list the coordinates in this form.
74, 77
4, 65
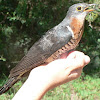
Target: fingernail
87, 59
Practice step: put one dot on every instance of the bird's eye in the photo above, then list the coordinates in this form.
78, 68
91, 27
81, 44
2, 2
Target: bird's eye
79, 8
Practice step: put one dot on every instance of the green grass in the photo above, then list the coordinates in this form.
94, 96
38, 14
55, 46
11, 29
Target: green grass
80, 89
85, 88
10, 94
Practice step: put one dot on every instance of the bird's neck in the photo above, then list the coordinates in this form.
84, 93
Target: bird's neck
66, 21
75, 23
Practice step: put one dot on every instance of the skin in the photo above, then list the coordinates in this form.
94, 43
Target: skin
44, 78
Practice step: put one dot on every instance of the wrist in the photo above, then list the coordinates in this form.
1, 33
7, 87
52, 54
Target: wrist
40, 82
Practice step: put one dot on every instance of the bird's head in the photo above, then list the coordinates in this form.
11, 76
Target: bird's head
80, 10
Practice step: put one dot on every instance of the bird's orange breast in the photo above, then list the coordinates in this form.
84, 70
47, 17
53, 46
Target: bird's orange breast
76, 26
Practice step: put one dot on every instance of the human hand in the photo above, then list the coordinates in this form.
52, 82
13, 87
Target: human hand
44, 78
69, 68
60, 71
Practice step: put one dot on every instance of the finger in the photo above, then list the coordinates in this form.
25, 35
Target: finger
75, 74
87, 59
78, 62
75, 54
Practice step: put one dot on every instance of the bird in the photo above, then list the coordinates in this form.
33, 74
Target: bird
60, 39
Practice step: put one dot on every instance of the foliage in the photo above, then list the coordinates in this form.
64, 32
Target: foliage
84, 88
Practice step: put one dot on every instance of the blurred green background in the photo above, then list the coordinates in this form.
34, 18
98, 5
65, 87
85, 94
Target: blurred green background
23, 22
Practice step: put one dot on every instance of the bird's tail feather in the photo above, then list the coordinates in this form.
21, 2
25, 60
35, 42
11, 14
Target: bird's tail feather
8, 85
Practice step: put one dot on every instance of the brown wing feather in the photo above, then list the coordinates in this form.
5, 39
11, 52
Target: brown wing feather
40, 51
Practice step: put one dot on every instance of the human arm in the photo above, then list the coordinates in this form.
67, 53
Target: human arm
44, 78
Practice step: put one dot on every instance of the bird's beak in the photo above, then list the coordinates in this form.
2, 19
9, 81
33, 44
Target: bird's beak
88, 9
